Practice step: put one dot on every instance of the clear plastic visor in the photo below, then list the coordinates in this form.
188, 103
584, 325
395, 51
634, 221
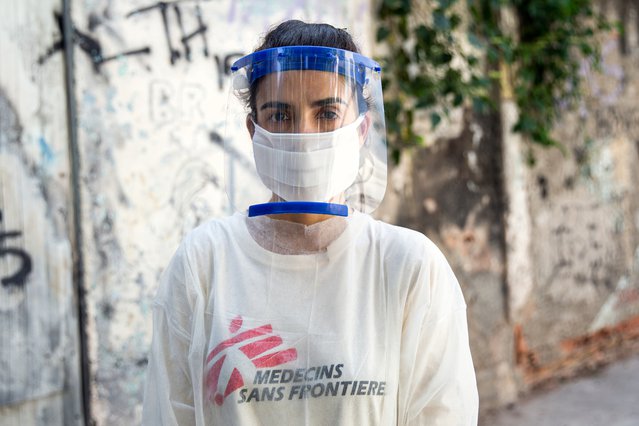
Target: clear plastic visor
306, 124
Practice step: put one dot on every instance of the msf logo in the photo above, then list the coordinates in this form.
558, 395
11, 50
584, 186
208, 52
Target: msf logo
243, 351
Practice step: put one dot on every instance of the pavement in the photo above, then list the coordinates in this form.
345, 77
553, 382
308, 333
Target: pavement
609, 397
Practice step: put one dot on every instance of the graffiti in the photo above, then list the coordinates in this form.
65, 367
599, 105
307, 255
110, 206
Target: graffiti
19, 278
168, 104
185, 38
191, 192
172, 15
87, 44
10, 131
10, 126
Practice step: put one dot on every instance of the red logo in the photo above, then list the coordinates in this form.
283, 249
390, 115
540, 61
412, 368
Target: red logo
250, 345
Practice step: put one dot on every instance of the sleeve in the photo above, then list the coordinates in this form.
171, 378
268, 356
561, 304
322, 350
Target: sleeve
168, 394
437, 379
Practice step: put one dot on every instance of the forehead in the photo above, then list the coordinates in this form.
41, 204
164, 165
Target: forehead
302, 85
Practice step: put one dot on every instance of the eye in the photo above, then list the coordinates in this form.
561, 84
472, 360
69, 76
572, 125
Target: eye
279, 117
328, 115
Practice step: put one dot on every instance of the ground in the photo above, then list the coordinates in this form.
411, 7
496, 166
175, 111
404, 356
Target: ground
610, 397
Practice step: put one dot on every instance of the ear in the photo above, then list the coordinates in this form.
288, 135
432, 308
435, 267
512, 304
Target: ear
364, 128
250, 126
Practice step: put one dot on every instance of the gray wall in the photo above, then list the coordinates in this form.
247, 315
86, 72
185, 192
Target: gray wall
39, 348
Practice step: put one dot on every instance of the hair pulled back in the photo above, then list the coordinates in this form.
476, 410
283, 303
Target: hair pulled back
298, 33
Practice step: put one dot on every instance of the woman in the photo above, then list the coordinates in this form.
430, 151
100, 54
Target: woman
306, 310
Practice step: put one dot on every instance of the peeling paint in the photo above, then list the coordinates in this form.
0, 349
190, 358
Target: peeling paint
581, 353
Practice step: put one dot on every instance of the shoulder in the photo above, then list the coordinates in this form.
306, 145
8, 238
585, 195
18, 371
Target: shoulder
399, 242
210, 235
215, 227
418, 267
193, 262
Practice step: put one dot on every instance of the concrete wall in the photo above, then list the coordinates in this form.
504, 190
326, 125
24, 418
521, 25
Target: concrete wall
548, 256
39, 350
584, 207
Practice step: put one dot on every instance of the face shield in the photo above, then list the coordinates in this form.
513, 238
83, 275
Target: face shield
305, 132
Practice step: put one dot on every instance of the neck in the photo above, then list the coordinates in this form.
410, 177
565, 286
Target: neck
302, 218
305, 218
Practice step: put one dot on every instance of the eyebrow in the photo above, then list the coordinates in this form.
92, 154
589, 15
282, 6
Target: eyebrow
277, 105
329, 101
318, 103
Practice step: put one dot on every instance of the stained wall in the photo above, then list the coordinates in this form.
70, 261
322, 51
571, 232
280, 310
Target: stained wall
584, 204
39, 332
547, 254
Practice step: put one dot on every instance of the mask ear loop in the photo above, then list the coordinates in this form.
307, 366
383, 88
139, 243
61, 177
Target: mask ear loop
354, 193
366, 168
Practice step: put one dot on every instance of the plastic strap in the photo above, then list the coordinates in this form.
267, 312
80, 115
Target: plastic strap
316, 58
298, 207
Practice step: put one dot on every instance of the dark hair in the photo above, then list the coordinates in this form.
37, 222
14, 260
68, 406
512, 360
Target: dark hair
298, 33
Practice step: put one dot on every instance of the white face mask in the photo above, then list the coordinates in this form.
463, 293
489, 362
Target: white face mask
308, 166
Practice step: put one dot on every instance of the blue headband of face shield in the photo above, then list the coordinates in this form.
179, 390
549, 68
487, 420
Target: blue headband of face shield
315, 58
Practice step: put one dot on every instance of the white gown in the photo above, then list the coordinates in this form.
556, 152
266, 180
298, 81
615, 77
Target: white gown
370, 331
